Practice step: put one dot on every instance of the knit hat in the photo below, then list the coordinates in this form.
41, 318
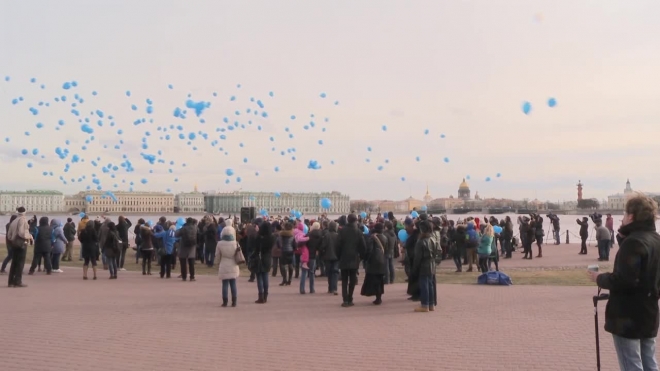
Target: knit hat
21, 209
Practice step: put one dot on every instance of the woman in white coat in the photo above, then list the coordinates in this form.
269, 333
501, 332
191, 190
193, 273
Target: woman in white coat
228, 269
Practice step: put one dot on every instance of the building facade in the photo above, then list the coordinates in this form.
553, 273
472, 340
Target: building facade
32, 200
307, 203
126, 202
189, 202
464, 190
618, 201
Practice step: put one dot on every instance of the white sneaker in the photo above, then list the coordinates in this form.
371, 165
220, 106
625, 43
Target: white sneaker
122, 269
58, 271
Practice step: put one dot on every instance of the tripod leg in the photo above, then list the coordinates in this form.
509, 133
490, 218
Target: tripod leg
597, 339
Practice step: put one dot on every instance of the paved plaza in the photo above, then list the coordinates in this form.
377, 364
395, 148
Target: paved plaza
61, 322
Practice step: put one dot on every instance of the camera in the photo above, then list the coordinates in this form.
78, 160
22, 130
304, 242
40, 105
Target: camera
595, 217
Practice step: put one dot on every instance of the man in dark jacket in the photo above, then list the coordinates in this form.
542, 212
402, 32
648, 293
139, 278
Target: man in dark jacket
70, 235
329, 252
43, 246
584, 234
123, 226
631, 315
391, 251
349, 248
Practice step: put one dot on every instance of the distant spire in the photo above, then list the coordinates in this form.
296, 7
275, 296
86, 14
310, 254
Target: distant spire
196, 188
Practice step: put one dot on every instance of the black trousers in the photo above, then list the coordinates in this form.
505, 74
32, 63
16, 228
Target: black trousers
16, 267
184, 268
122, 258
583, 248
146, 260
166, 266
38, 255
483, 264
348, 282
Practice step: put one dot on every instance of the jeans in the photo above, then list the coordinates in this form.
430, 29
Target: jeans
332, 271
457, 261
635, 354
296, 264
262, 282
112, 266
55, 261
104, 259
305, 273
37, 256
16, 267
320, 265
276, 263
426, 290
209, 255
389, 270
226, 284
347, 288
166, 265
10, 254
184, 268
506, 246
604, 249
557, 239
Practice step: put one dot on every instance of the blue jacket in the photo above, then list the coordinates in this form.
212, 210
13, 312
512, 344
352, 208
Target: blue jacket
471, 235
168, 240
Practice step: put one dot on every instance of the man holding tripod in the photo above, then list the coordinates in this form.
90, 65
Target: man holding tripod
632, 315
555, 226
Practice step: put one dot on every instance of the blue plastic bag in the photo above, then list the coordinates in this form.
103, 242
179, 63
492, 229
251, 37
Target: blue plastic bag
494, 278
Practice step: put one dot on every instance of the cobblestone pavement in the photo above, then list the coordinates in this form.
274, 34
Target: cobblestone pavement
61, 322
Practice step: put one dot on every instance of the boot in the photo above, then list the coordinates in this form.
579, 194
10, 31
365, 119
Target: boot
224, 302
266, 297
233, 301
540, 255
283, 283
94, 269
85, 268
260, 300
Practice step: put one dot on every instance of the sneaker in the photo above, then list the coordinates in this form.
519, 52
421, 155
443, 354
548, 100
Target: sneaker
122, 269
20, 285
422, 309
58, 271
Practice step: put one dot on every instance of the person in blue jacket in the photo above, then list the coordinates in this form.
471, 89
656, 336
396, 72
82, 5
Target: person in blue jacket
167, 236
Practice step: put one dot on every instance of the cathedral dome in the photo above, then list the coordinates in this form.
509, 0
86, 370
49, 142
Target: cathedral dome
464, 185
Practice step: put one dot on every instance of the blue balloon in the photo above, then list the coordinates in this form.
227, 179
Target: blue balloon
414, 214
326, 203
497, 229
278, 195
488, 179
229, 172
263, 212
424, 208
305, 229
526, 108
89, 199
403, 236
81, 215
552, 102
323, 95
150, 223
363, 215
384, 127
365, 230
498, 175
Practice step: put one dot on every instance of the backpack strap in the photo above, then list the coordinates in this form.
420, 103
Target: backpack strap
380, 244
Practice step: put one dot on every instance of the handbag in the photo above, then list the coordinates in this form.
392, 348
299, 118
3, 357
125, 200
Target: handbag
238, 256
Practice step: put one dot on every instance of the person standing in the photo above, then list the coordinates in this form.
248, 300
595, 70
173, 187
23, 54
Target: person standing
329, 252
276, 252
374, 282
423, 266
111, 249
59, 242
81, 227
188, 245
556, 228
168, 238
471, 245
459, 244
210, 242
539, 234
43, 246
69, 230
147, 248
507, 236
18, 236
313, 246
391, 252
287, 244
485, 247
262, 254
228, 270
123, 226
631, 314
584, 234
603, 240
90, 252
609, 224
10, 250
350, 246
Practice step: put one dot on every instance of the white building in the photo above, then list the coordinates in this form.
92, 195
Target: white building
127, 202
307, 203
189, 202
618, 201
37, 201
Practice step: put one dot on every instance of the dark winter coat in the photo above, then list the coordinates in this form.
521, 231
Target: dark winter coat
424, 263
329, 245
632, 310
263, 247
460, 239
89, 239
188, 241
43, 242
286, 242
122, 230
211, 237
314, 243
69, 231
111, 247
350, 246
375, 254
392, 243
147, 238
584, 228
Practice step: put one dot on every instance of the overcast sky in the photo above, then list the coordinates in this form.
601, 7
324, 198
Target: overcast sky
458, 68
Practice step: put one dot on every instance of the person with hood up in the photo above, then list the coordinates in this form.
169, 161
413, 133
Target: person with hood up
188, 237
69, 230
413, 280
59, 242
329, 255
169, 239
138, 239
262, 252
314, 241
123, 226
228, 270
111, 249
43, 246
210, 242
391, 251
286, 242
90, 252
18, 236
